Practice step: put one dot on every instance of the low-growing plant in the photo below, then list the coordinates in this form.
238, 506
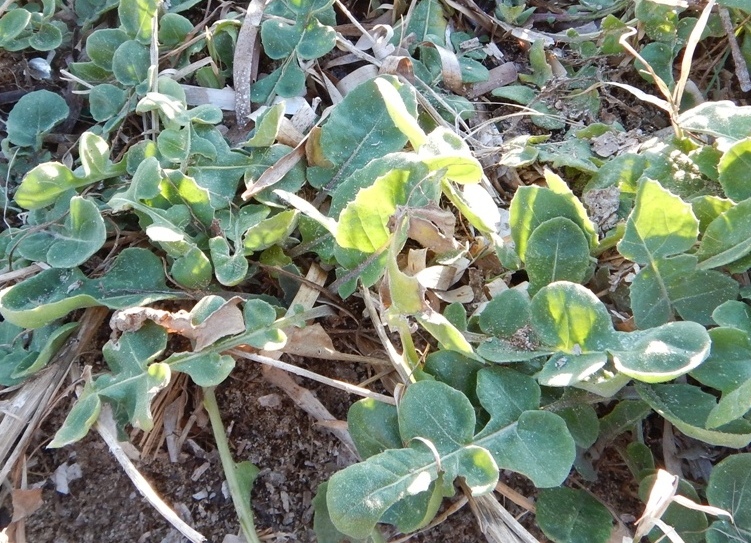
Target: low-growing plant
537, 377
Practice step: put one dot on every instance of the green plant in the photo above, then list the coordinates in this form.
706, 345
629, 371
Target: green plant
536, 378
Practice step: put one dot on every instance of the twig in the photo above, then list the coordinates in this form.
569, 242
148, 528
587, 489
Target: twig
741, 70
291, 368
106, 428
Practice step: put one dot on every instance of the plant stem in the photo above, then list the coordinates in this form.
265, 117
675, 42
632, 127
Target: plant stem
240, 496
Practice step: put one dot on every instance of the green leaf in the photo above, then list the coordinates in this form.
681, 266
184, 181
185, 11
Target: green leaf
138, 18
135, 377
660, 225
174, 144
45, 183
363, 224
33, 116
723, 119
541, 70
733, 405
708, 208
359, 130
130, 63
532, 206
20, 358
687, 407
13, 24
134, 381
428, 22
280, 38
47, 37
568, 515
568, 317
230, 268
374, 427
102, 44
270, 231
727, 238
106, 101
267, 127
733, 169
448, 336
456, 370
728, 365
669, 284
660, 57
325, 530
94, 154
733, 314
317, 41
625, 416
80, 419
136, 278
662, 354
82, 235
206, 369
173, 29
537, 445
519, 348
444, 149
730, 489
506, 394
398, 112
563, 369
506, 313
581, 420
557, 250
192, 269
219, 175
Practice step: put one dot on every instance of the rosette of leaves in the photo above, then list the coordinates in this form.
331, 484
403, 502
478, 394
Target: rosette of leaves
414, 454
293, 33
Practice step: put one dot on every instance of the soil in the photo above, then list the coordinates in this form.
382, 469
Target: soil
293, 454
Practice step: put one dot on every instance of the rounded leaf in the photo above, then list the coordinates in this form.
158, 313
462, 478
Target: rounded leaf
12, 24
106, 101
130, 63
102, 44
34, 115
557, 250
662, 354
566, 315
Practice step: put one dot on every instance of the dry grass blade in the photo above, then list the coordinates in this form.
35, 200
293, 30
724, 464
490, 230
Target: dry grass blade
24, 412
688, 52
106, 428
245, 60
498, 525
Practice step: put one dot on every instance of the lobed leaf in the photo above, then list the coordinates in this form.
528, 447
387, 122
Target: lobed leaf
136, 278
537, 444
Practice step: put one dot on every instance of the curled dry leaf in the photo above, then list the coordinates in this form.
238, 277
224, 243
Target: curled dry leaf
225, 321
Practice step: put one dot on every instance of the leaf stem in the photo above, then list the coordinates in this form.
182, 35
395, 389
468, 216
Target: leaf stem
240, 496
